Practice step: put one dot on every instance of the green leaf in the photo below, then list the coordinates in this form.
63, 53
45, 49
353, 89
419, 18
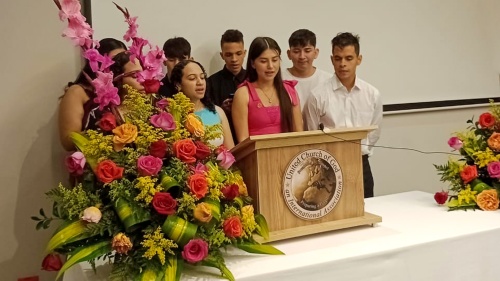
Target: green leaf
173, 269
46, 223
259, 249
68, 232
149, 274
226, 273
39, 225
36, 218
264, 229
42, 213
80, 142
85, 253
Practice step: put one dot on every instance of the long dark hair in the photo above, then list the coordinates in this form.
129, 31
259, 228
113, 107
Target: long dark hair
176, 79
257, 47
106, 45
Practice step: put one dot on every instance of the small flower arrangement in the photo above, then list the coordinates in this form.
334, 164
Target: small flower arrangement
474, 177
151, 192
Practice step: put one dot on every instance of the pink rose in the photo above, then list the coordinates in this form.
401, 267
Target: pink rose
161, 104
226, 159
163, 120
75, 163
199, 168
195, 250
455, 143
148, 165
494, 169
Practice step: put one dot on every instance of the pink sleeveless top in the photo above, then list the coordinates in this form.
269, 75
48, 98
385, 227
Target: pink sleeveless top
266, 120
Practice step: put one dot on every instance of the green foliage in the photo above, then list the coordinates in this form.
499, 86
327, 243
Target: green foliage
107, 226
122, 189
70, 203
43, 221
450, 172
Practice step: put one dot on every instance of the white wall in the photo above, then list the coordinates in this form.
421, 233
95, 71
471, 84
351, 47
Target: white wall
413, 51
397, 170
37, 63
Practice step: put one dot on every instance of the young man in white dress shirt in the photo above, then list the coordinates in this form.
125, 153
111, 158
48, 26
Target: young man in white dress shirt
347, 101
302, 52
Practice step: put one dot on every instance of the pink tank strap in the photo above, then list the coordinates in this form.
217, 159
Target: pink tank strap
251, 90
290, 89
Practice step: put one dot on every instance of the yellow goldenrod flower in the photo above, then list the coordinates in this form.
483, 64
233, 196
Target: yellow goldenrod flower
147, 187
157, 245
466, 196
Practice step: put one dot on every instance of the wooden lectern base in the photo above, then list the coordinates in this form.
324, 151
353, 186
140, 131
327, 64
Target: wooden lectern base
367, 219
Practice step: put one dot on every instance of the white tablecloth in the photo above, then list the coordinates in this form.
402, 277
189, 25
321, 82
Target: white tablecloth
416, 241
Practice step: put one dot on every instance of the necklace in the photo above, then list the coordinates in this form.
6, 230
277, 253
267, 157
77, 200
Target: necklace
269, 99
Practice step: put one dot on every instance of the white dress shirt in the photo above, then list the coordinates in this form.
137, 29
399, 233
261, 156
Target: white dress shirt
332, 105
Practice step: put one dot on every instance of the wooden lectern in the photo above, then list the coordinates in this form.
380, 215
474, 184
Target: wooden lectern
270, 163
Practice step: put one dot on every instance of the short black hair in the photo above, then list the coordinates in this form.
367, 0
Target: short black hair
231, 36
177, 47
344, 39
301, 38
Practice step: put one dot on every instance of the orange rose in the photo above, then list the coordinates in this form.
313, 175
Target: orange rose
202, 212
198, 185
232, 227
494, 141
126, 133
468, 174
121, 243
194, 125
107, 171
488, 200
185, 150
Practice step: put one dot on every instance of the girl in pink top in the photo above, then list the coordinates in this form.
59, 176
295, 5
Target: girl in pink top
264, 103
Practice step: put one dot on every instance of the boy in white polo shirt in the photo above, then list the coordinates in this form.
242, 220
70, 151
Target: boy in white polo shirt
302, 52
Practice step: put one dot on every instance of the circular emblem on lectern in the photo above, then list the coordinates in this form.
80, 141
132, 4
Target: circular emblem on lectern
312, 184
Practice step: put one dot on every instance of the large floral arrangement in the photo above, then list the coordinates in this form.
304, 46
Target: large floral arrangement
474, 178
151, 192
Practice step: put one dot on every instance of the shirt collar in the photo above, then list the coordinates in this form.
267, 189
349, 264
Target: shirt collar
337, 84
239, 77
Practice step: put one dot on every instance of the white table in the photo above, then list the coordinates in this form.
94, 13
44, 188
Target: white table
417, 240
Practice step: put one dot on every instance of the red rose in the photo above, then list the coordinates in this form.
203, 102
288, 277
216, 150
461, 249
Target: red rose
158, 149
164, 203
441, 197
486, 120
185, 150
468, 174
231, 191
107, 122
198, 185
202, 150
151, 86
107, 171
232, 227
52, 262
